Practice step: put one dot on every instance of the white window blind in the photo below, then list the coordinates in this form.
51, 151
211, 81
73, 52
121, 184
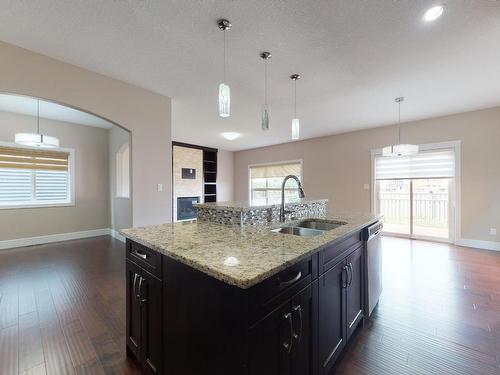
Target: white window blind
432, 164
33, 177
266, 180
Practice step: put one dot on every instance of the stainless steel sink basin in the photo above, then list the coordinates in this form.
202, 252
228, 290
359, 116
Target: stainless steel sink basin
323, 225
299, 231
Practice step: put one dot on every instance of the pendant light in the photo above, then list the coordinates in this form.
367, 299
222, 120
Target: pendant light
224, 90
400, 149
295, 120
264, 120
37, 139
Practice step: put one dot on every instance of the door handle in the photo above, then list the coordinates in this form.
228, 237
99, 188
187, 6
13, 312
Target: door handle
346, 283
351, 273
142, 300
298, 309
134, 288
288, 345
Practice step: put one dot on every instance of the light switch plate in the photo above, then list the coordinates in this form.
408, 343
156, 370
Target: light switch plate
493, 231
366, 186
160, 187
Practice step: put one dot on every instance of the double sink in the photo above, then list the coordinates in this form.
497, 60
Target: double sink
309, 227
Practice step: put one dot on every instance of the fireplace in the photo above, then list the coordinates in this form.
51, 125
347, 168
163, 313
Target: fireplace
185, 209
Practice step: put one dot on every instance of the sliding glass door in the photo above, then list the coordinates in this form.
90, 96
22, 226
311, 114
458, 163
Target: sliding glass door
418, 208
415, 195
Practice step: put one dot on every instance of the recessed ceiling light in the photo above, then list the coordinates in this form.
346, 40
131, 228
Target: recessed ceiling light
230, 135
433, 13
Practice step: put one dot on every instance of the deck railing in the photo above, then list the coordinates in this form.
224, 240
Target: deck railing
429, 209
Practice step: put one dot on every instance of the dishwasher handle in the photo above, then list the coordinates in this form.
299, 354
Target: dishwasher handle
373, 230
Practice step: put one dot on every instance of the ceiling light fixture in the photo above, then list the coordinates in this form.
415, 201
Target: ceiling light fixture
264, 121
230, 136
36, 139
295, 120
224, 90
433, 13
400, 149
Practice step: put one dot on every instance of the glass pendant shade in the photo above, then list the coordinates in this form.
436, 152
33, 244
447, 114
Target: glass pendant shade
224, 100
38, 140
295, 128
265, 118
400, 150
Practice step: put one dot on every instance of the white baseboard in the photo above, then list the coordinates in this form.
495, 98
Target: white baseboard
117, 235
29, 241
479, 244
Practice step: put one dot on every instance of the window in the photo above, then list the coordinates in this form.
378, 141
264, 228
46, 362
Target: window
32, 177
266, 180
123, 171
414, 193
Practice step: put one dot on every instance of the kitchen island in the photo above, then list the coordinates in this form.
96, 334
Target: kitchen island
206, 298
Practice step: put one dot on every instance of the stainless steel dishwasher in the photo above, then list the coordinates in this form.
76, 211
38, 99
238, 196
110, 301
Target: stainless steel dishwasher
373, 259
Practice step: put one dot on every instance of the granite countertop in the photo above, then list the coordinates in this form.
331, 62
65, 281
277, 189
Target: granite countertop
248, 205
240, 256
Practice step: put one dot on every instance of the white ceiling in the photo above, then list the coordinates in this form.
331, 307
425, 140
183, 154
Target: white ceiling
28, 106
355, 57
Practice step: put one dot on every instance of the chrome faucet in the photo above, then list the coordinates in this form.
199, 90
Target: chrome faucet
301, 195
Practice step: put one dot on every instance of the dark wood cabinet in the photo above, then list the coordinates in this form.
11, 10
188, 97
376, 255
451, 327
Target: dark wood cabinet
268, 343
332, 319
284, 341
354, 290
296, 322
144, 318
340, 306
133, 309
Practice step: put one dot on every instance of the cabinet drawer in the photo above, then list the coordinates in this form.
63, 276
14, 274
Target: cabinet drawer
148, 259
265, 296
330, 255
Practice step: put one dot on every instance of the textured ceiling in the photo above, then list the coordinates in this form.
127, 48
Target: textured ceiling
355, 57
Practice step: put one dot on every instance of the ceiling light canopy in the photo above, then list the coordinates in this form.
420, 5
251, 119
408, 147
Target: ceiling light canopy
400, 149
36, 139
231, 136
433, 13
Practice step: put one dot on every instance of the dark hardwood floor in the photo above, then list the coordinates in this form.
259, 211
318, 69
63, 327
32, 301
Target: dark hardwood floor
62, 310
439, 313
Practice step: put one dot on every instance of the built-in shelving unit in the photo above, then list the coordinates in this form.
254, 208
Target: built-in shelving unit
210, 175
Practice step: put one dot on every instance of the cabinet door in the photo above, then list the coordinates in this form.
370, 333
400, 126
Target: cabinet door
332, 321
133, 306
304, 316
354, 290
150, 297
270, 342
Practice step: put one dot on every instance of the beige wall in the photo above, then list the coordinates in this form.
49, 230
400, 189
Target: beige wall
225, 176
192, 158
336, 167
91, 209
120, 207
146, 114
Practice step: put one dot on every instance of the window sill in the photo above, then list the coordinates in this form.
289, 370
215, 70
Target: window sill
43, 205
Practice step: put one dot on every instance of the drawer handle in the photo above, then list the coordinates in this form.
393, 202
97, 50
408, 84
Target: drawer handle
141, 255
291, 281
